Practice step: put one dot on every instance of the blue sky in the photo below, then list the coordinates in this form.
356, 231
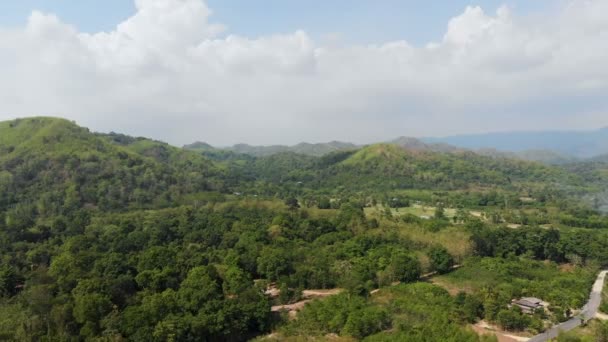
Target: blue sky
356, 21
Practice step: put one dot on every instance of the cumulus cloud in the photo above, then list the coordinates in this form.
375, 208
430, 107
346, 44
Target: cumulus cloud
170, 72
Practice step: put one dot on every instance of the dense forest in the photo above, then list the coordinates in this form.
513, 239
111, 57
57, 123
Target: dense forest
107, 237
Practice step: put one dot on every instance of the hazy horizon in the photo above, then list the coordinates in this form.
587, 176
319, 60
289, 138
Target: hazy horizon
359, 143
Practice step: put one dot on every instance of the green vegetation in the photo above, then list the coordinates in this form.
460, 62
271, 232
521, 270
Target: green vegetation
499, 280
413, 312
106, 237
594, 331
260, 151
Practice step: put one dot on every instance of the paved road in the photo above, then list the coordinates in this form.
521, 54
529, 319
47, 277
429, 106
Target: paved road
588, 312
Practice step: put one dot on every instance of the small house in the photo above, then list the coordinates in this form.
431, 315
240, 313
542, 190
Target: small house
529, 304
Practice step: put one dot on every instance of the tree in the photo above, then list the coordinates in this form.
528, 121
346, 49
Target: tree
404, 267
470, 307
512, 319
235, 280
350, 216
200, 286
9, 281
292, 203
324, 203
366, 322
491, 309
272, 263
397, 202
89, 309
441, 260
439, 212
171, 329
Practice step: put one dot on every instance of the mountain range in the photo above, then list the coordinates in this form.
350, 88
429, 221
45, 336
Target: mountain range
261, 151
568, 144
550, 147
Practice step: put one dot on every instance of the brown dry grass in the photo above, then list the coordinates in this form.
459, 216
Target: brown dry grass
327, 338
455, 239
484, 331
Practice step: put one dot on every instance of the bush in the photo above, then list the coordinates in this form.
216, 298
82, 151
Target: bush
512, 319
441, 260
366, 322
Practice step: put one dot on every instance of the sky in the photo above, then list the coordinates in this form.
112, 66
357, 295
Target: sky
282, 72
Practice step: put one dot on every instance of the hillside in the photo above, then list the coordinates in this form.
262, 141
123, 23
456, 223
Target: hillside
542, 156
418, 145
601, 158
114, 171
319, 149
56, 165
529, 153
392, 166
199, 146
308, 149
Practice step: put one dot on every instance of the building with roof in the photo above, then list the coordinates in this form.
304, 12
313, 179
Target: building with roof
529, 305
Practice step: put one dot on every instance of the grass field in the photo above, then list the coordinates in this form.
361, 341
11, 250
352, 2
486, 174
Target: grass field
587, 333
454, 238
516, 277
416, 209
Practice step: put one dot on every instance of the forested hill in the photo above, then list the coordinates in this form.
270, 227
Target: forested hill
530, 152
47, 161
317, 150
386, 167
52, 165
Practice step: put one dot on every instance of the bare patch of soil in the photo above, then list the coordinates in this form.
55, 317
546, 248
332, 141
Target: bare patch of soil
483, 328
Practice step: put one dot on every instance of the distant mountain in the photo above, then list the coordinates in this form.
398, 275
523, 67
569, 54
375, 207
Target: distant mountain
580, 144
388, 166
408, 143
601, 158
319, 149
199, 146
258, 151
558, 147
545, 156
541, 156
308, 149
415, 144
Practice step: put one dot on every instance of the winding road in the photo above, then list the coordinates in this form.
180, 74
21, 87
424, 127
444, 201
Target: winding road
588, 312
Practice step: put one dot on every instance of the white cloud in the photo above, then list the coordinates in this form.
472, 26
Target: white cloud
169, 72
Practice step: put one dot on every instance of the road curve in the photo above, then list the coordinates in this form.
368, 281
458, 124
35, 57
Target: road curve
587, 313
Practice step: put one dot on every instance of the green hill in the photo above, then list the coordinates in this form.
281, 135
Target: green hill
385, 166
199, 146
51, 160
23, 137
308, 149
53, 166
